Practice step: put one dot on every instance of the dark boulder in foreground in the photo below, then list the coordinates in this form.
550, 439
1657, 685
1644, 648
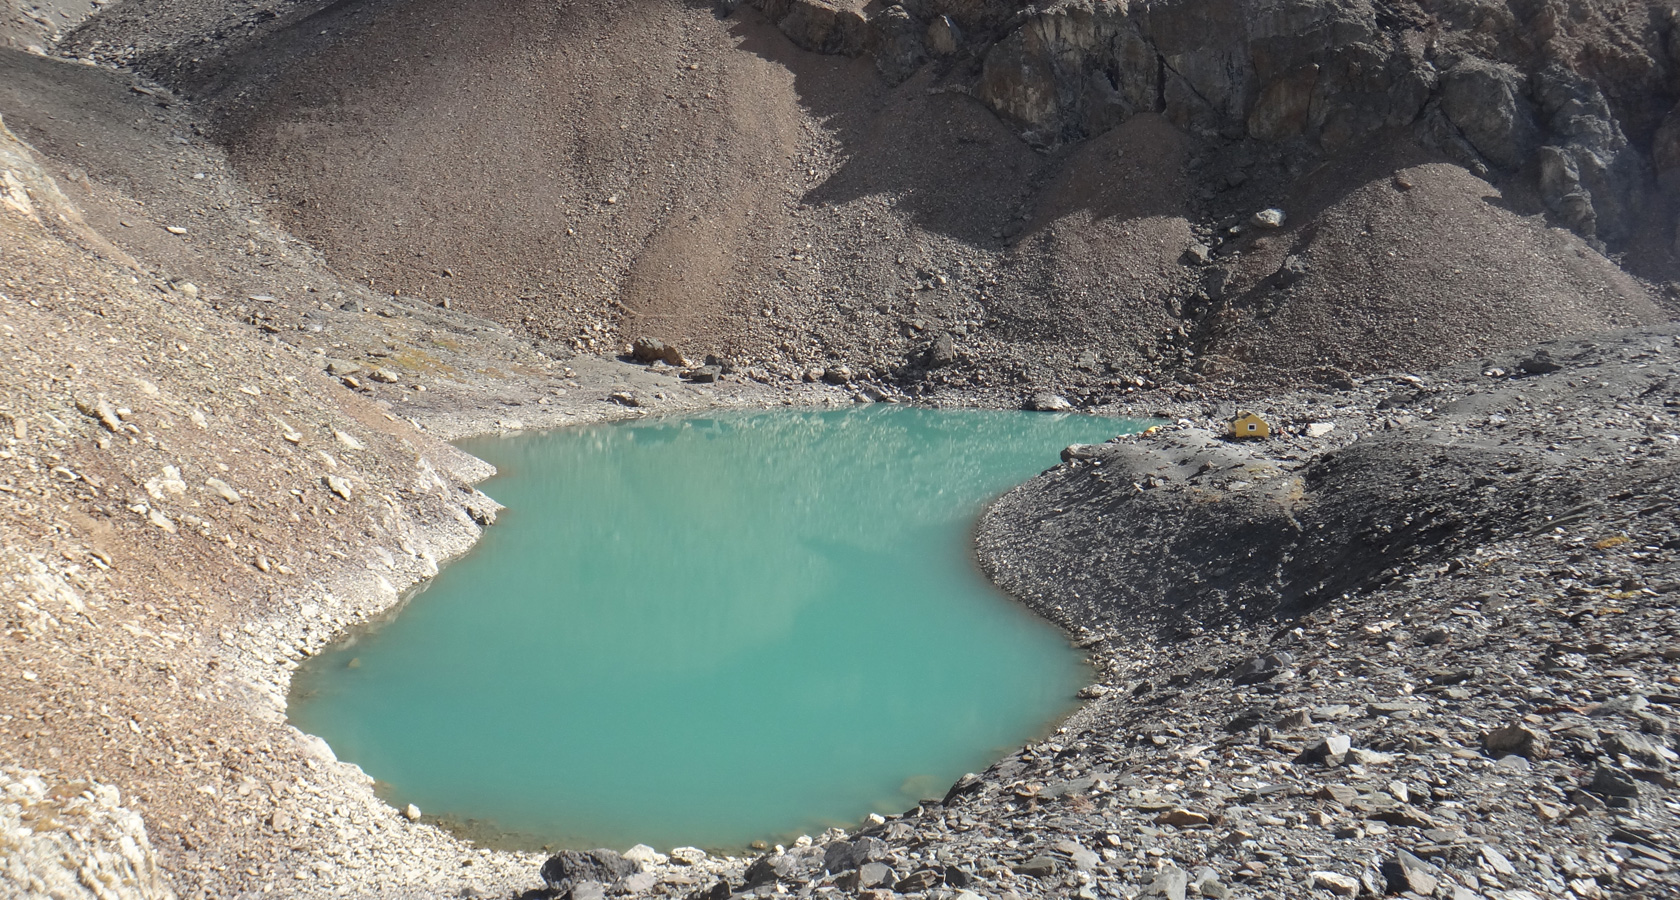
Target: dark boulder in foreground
571, 867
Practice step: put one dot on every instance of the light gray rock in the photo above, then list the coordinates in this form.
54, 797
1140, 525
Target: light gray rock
1048, 402
1171, 883
73, 840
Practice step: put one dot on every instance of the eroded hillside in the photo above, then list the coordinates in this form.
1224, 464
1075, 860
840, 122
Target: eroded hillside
977, 195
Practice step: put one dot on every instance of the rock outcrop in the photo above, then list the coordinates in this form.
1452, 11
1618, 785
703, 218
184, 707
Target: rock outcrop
1547, 91
68, 840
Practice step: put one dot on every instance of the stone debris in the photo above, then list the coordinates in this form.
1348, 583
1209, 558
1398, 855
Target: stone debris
104, 855
223, 490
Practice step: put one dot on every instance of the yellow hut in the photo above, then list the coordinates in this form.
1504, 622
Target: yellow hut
1249, 425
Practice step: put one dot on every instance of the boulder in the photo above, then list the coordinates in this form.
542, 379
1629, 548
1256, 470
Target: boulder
842, 856
942, 352
650, 350
943, 36
1047, 402
1591, 178
1488, 104
568, 868
1405, 872
1665, 150
833, 28
798, 864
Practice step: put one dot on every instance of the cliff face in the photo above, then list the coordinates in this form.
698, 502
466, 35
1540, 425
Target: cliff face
1570, 97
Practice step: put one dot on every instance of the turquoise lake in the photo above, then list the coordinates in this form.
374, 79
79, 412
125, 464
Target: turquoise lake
710, 630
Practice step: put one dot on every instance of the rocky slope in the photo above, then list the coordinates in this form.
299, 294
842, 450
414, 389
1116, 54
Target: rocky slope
220, 444
1452, 636
189, 506
974, 196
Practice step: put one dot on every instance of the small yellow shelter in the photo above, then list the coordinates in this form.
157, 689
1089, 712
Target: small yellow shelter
1249, 425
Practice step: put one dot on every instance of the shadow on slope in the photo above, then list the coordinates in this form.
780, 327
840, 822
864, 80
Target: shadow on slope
609, 169
1185, 529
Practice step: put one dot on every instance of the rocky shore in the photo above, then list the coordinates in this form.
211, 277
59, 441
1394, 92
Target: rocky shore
1420, 642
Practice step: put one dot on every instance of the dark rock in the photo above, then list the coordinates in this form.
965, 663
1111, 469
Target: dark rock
1406, 872
1487, 102
705, 374
958, 877
1641, 750
1612, 781
1294, 269
1333, 378
1081, 451
1037, 867
1248, 718
1262, 668
942, 352
819, 27
943, 36
773, 867
873, 874
896, 38
1539, 363
569, 867
837, 375
845, 855
1590, 176
650, 350
719, 891
1330, 751
969, 783
1405, 815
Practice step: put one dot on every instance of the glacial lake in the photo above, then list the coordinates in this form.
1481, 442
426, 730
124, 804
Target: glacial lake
710, 630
